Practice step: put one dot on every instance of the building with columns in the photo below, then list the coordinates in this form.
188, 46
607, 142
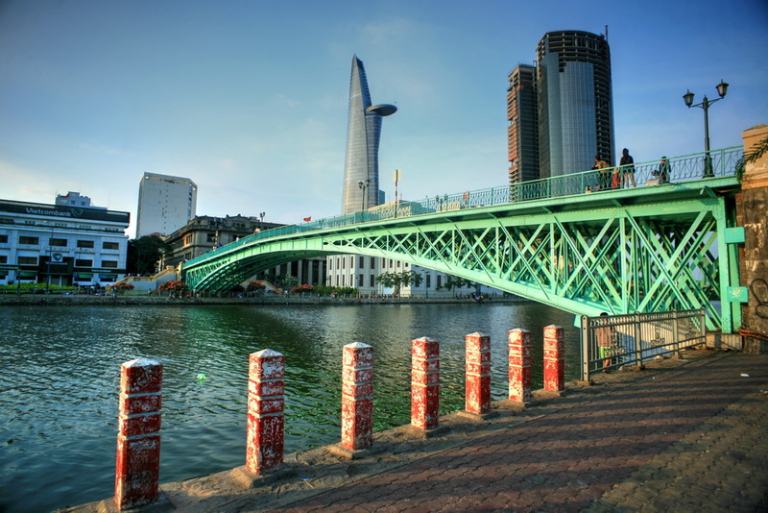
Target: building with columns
203, 234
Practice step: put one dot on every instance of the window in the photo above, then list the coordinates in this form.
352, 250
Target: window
398, 263
109, 264
188, 239
57, 242
362, 262
373, 280
3, 259
429, 284
85, 244
439, 281
343, 264
210, 238
111, 245
80, 262
361, 280
373, 262
23, 239
27, 260
3, 239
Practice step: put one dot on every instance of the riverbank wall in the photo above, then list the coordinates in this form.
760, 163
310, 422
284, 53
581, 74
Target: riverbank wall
83, 300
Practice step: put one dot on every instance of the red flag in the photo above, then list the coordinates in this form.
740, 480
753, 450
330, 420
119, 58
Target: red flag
308, 219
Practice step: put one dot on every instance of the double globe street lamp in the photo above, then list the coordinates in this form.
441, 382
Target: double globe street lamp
722, 89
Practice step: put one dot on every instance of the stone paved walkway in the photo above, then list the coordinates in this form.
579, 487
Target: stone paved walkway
689, 435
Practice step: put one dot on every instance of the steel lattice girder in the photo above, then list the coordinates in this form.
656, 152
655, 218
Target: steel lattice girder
662, 250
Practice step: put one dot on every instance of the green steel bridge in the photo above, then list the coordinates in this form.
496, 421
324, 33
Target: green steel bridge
560, 241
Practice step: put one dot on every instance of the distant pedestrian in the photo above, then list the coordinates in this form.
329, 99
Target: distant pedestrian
603, 338
665, 170
627, 166
603, 174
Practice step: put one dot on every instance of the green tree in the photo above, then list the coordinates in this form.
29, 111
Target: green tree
144, 253
454, 282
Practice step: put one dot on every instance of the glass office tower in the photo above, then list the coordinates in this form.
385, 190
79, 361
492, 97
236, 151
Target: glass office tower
575, 106
361, 169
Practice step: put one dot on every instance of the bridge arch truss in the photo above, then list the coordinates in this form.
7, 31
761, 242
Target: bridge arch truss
635, 250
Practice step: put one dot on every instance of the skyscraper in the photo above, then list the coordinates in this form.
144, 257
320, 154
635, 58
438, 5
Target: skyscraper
574, 105
522, 132
361, 168
166, 203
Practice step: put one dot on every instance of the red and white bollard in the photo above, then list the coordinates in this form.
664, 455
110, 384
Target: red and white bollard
137, 475
554, 359
266, 402
520, 372
425, 383
478, 373
357, 397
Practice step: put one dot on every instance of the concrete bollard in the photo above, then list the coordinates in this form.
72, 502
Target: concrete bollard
520, 372
137, 475
357, 397
425, 383
554, 359
266, 402
478, 373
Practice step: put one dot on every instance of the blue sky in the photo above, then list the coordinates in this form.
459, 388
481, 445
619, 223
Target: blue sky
249, 98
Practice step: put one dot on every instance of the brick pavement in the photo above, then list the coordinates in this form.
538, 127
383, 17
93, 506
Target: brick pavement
687, 435
692, 439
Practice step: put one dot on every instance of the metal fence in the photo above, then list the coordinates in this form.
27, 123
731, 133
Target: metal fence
613, 341
723, 162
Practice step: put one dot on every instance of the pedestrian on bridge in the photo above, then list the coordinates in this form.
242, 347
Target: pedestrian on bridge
627, 167
603, 174
665, 170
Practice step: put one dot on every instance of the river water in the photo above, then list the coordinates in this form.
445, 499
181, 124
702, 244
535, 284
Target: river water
60, 369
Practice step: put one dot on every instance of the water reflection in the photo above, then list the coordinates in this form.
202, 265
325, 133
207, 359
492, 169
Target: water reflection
60, 376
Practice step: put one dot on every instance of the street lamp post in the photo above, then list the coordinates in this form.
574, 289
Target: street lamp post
363, 186
50, 256
722, 89
426, 284
261, 222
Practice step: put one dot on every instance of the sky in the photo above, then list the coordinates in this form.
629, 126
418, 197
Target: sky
249, 98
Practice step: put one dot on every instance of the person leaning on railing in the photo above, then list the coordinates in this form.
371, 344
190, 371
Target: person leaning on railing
603, 174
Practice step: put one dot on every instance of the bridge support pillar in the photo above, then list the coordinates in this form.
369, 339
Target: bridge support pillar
554, 359
478, 374
425, 384
357, 397
751, 205
138, 441
266, 401
520, 372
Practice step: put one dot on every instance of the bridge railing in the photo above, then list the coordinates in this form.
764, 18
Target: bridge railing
612, 341
723, 162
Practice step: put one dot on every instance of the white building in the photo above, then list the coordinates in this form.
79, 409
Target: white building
61, 245
166, 203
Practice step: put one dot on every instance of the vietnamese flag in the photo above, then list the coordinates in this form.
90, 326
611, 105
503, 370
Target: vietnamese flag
308, 219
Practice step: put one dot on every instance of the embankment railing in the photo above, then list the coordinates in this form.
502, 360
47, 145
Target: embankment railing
612, 341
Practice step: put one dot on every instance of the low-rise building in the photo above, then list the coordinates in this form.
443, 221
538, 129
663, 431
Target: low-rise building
62, 244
